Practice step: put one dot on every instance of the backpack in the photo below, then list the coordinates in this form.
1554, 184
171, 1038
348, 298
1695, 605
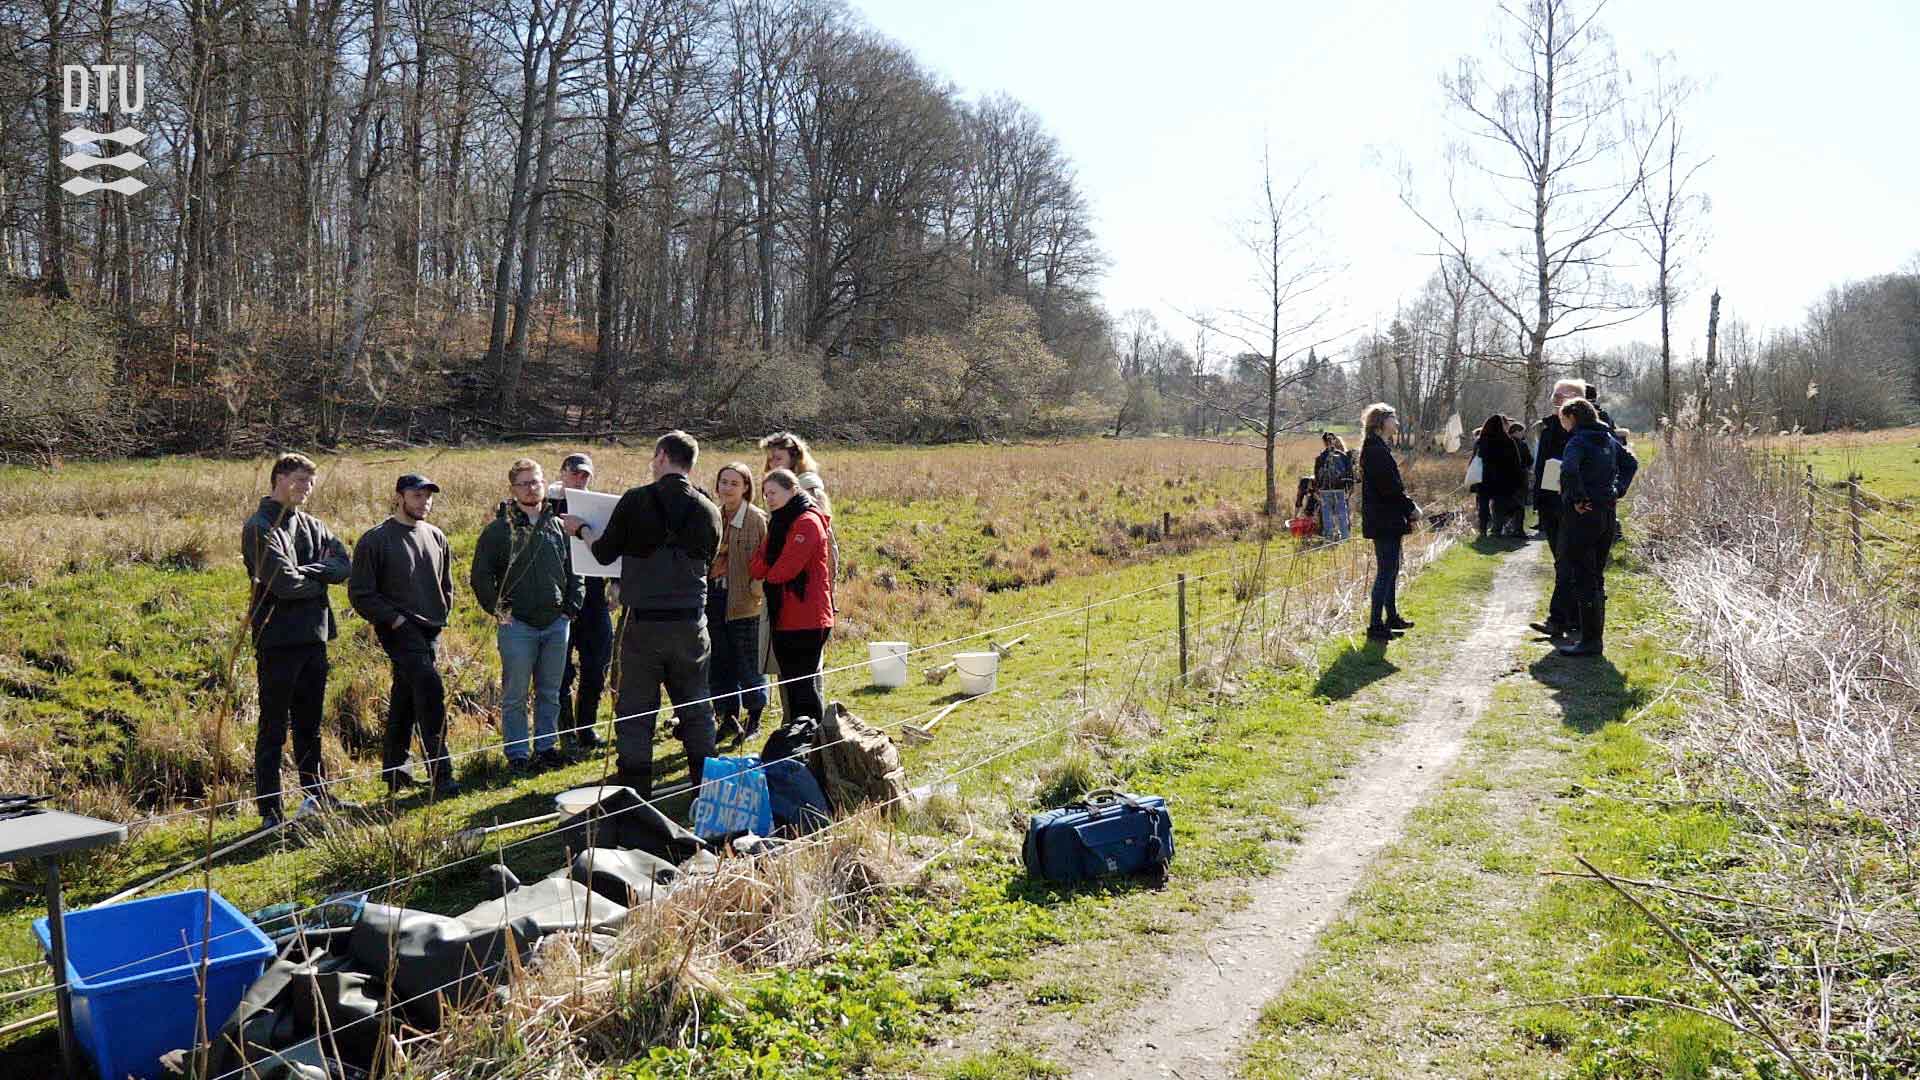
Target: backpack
857, 763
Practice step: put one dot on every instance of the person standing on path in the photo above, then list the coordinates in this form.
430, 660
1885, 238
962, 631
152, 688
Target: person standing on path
797, 567
1553, 441
1333, 471
1501, 478
402, 583
523, 576
666, 533
1517, 431
590, 639
734, 605
1387, 515
291, 559
1596, 471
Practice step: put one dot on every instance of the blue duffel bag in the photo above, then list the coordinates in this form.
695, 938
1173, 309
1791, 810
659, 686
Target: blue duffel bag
1109, 833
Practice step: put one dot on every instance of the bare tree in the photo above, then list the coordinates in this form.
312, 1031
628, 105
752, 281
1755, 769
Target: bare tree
1291, 319
1669, 213
1549, 144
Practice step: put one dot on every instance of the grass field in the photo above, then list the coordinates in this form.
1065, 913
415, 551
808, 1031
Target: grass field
125, 683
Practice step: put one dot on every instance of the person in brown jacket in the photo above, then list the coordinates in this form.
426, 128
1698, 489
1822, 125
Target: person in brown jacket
734, 603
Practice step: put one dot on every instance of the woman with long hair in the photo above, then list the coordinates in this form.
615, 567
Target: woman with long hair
1333, 473
1501, 476
734, 603
794, 563
1387, 515
788, 451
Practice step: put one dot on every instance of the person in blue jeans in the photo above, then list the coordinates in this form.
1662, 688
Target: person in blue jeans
1333, 472
523, 576
734, 605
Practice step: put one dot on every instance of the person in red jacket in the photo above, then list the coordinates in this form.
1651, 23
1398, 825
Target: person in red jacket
794, 561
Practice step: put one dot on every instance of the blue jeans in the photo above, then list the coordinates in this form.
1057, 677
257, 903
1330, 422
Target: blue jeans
536, 654
1336, 521
1386, 575
734, 677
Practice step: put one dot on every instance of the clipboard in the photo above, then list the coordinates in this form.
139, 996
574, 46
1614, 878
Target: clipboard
1550, 475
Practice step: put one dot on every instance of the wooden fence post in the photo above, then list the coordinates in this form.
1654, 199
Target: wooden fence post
1183, 628
1853, 524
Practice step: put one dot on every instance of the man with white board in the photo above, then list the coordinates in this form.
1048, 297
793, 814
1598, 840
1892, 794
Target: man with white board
590, 648
1561, 618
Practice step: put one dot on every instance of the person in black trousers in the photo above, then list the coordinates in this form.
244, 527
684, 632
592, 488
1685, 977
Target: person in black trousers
590, 645
1553, 440
1387, 515
402, 583
291, 559
1596, 471
1501, 478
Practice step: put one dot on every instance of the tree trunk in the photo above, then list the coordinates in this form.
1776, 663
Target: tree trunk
536, 216
1713, 357
499, 358
363, 166
54, 249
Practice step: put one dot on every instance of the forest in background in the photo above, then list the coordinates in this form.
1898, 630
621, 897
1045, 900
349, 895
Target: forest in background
374, 221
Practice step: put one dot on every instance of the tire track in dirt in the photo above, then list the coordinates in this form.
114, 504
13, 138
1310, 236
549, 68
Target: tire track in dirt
1195, 1030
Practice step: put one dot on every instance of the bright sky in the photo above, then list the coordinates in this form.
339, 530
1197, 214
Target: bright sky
1806, 109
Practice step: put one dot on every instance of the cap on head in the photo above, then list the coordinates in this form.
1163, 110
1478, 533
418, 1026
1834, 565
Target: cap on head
414, 482
577, 463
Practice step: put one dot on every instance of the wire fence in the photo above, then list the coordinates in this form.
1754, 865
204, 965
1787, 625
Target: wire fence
1246, 629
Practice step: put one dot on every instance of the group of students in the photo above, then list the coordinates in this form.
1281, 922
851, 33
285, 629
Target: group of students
714, 592
1578, 516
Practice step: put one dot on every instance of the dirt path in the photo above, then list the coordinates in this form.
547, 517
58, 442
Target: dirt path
1194, 1031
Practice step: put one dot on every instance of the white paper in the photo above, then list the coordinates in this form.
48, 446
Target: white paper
1550, 475
594, 508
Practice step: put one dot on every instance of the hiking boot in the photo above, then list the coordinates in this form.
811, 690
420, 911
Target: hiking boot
446, 787
551, 759
586, 739
1549, 628
1583, 647
399, 780
521, 766
753, 726
727, 732
272, 817
1381, 633
1398, 623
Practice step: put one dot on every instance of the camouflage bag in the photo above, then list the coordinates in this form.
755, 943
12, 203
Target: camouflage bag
857, 763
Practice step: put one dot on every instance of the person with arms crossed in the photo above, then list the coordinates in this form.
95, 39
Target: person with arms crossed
291, 559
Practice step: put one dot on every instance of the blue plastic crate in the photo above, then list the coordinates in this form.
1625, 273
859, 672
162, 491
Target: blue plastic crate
134, 969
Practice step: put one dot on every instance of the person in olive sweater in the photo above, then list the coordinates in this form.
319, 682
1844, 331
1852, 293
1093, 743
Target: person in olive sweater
523, 576
291, 559
402, 583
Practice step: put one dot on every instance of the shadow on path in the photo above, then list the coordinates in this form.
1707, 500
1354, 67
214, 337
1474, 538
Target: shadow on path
1356, 668
1590, 691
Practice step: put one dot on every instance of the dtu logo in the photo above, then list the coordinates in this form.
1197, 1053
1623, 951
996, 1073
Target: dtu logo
80, 86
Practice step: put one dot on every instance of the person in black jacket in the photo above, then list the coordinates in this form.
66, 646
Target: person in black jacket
1501, 478
1596, 471
665, 534
291, 559
1518, 432
1553, 440
1387, 515
590, 642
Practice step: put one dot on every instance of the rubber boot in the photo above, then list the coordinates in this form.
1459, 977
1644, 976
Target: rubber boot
1593, 618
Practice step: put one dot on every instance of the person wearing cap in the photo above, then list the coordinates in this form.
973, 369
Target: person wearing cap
522, 575
291, 559
402, 583
666, 534
590, 643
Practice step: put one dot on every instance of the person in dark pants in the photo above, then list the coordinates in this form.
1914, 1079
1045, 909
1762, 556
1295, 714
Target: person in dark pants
1501, 477
796, 564
1518, 433
665, 533
402, 583
1553, 440
590, 646
734, 605
1387, 515
1596, 471
291, 559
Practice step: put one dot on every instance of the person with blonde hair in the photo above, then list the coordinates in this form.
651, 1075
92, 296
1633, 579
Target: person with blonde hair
788, 451
734, 603
1387, 515
793, 561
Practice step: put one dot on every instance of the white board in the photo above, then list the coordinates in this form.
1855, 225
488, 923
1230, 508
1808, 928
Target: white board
594, 508
1550, 475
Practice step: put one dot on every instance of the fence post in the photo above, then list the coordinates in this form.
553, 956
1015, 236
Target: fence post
1166, 525
1183, 628
1853, 524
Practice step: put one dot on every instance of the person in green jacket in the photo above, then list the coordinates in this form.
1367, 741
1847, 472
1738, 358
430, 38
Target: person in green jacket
523, 576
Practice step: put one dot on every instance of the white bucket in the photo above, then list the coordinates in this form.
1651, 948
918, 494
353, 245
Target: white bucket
888, 662
580, 798
978, 671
